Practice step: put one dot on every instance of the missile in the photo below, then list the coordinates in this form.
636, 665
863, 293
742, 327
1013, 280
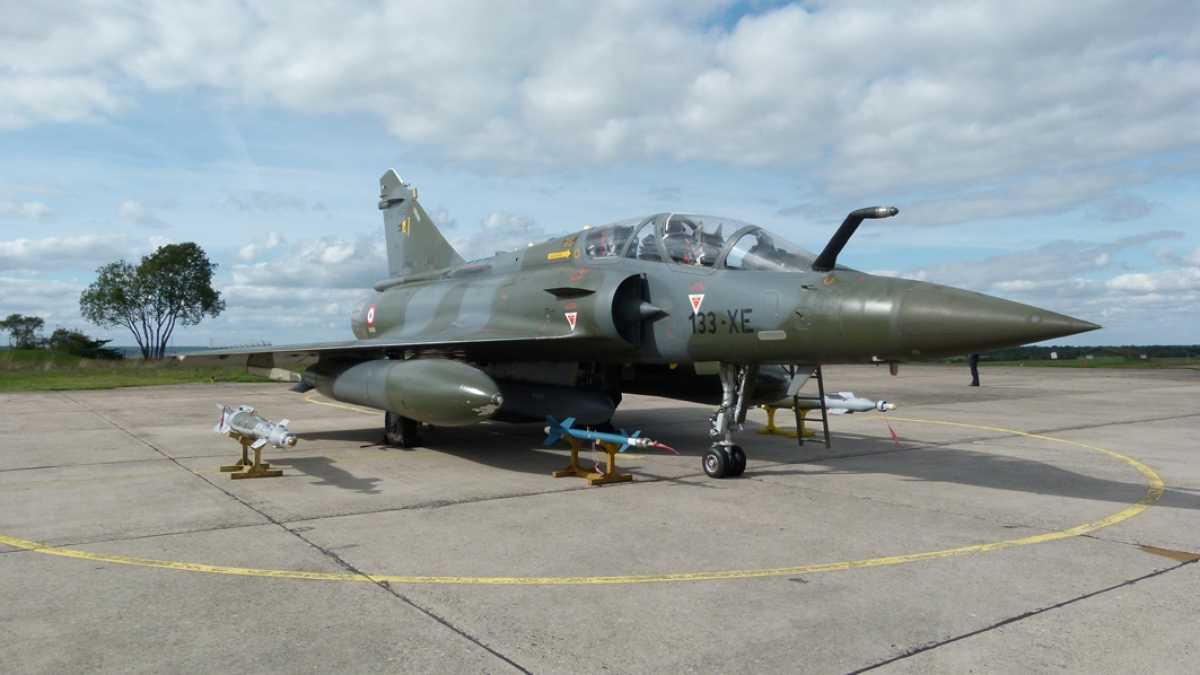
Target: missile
555, 431
837, 404
244, 422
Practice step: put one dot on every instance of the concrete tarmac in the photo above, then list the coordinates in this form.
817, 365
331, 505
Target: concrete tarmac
1015, 527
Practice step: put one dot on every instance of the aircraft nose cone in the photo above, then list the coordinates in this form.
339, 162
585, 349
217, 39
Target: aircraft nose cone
939, 321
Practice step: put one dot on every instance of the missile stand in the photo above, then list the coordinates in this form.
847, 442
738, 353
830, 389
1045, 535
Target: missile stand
726, 459
610, 475
244, 468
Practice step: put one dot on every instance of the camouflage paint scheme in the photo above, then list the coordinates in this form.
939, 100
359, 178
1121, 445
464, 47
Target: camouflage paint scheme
660, 311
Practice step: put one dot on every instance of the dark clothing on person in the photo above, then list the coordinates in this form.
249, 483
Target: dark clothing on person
973, 359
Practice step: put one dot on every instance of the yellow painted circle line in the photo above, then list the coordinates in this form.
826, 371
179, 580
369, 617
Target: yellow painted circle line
365, 411
1154, 492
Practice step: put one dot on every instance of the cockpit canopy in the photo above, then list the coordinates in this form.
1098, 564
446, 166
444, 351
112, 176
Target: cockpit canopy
689, 239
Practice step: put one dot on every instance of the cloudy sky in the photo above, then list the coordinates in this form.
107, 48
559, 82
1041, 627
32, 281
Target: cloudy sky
1047, 152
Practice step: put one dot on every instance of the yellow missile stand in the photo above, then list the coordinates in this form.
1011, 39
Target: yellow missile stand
610, 474
244, 468
772, 429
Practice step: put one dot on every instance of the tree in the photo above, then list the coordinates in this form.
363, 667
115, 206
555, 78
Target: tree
75, 343
23, 331
171, 286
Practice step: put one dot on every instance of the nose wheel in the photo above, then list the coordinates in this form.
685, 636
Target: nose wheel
724, 459
724, 462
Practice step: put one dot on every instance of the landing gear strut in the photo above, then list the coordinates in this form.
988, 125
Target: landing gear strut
725, 459
399, 431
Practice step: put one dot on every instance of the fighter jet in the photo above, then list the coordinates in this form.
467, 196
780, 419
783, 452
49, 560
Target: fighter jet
687, 306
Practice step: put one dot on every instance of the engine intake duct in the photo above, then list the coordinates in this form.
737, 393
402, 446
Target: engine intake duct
631, 309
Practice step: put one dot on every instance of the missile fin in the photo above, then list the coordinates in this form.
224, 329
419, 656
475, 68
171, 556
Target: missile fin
258, 444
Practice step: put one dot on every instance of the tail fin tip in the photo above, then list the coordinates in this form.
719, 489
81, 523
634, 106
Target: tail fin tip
414, 243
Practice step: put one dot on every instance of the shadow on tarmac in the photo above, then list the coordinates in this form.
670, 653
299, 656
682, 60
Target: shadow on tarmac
513, 447
329, 473
871, 455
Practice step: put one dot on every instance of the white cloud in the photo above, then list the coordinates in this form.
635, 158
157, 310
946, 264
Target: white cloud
256, 248
84, 252
1148, 283
1169, 257
261, 200
1054, 262
328, 262
1136, 307
995, 96
136, 213
56, 302
498, 220
501, 231
34, 211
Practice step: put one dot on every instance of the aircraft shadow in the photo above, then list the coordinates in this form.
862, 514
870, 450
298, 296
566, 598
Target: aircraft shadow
513, 447
857, 454
328, 473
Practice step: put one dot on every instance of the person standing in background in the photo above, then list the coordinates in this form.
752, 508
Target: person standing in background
973, 359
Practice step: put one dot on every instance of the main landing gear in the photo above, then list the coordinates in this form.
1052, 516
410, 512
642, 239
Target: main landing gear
399, 431
724, 459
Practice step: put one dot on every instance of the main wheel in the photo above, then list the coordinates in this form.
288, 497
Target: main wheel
716, 462
737, 461
399, 431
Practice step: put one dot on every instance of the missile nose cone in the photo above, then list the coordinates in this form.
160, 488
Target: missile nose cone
939, 321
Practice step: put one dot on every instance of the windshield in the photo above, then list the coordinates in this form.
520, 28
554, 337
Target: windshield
608, 241
761, 251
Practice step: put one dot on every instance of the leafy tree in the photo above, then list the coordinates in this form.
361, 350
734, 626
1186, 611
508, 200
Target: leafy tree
171, 286
23, 331
75, 343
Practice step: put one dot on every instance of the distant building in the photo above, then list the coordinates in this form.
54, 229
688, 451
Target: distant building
1110, 355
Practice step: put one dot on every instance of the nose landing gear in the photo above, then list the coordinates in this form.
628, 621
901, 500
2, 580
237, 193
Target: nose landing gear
724, 459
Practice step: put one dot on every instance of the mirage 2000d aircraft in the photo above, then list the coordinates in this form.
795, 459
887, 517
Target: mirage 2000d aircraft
680, 305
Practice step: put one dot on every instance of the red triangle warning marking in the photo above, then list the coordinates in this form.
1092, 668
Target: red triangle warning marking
571, 319
696, 300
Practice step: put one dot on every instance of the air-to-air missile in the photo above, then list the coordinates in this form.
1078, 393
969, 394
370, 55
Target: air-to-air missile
244, 422
673, 304
555, 431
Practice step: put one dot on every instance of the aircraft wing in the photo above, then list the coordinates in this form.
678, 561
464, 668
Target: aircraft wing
477, 346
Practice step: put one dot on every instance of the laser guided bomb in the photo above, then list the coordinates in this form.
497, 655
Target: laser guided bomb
672, 304
244, 422
837, 404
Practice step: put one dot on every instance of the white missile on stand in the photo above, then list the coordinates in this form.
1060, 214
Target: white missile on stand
838, 404
243, 422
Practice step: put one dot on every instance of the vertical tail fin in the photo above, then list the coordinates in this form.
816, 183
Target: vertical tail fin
414, 243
